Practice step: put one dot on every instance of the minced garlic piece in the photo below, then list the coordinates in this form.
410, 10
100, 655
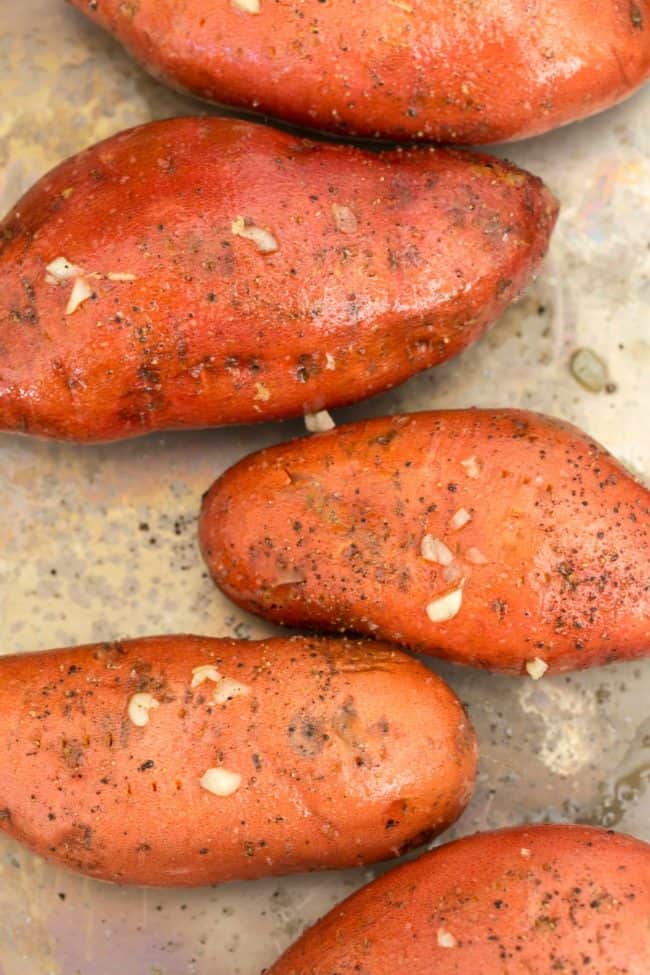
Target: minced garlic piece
81, 291
61, 269
446, 939
120, 276
227, 689
289, 576
319, 422
262, 393
536, 668
344, 219
203, 673
433, 550
445, 607
263, 239
139, 707
460, 519
220, 782
472, 467
248, 6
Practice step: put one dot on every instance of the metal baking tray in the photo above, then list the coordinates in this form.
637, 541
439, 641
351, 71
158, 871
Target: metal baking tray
100, 542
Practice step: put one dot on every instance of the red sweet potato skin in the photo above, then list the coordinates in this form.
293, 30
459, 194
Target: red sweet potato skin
347, 752
552, 562
539, 900
441, 70
385, 265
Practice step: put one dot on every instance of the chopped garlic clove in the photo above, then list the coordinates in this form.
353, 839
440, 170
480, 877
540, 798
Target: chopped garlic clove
81, 291
120, 276
445, 607
263, 239
319, 422
262, 393
330, 361
344, 219
460, 519
472, 467
203, 673
446, 939
291, 576
536, 668
227, 689
434, 550
525, 852
220, 782
248, 6
476, 557
61, 269
139, 707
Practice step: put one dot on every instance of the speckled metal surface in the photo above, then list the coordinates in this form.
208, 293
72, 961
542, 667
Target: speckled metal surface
100, 542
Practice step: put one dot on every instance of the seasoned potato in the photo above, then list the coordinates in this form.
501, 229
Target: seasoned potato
204, 271
442, 70
496, 538
184, 760
542, 900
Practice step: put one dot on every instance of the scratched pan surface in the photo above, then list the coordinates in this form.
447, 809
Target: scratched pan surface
99, 543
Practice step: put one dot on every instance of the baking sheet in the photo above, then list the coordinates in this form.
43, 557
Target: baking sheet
100, 542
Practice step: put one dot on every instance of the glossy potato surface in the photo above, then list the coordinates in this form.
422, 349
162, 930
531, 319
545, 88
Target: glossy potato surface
441, 70
495, 538
540, 900
230, 273
324, 754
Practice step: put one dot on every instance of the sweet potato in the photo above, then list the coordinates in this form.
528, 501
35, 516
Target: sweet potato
442, 70
184, 760
497, 538
198, 272
529, 901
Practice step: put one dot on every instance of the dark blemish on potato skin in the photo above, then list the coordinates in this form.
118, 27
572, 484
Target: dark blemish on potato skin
346, 725
73, 753
636, 16
306, 735
110, 653
141, 674
78, 837
420, 839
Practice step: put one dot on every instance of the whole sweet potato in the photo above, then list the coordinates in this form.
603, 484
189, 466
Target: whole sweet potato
497, 538
442, 70
198, 272
184, 760
529, 901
